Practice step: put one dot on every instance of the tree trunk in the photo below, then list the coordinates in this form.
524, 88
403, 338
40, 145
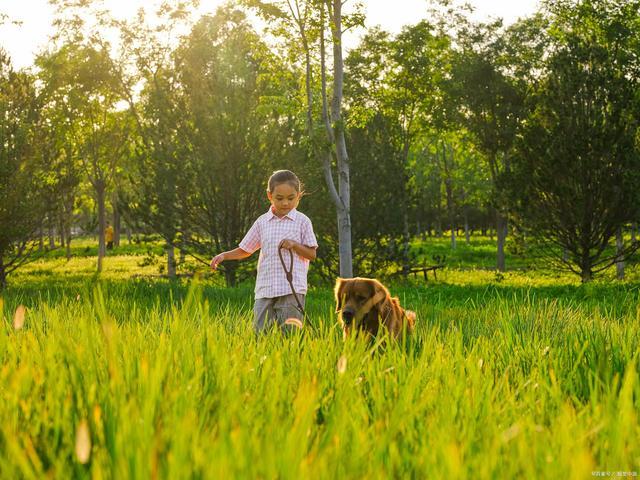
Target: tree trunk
467, 235
3, 275
116, 222
447, 166
344, 188
52, 235
230, 276
620, 262
406, 234
67, 220
171, 261
344, 240
501, 233
68, 239
333, 130
100, 198
62, 230
585, 274
406, 241
453, 236
183, 247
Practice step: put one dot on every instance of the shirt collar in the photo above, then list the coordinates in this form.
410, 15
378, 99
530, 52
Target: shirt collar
291, 215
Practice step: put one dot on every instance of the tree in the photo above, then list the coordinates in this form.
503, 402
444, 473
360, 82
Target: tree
21, 203
396, 80
237, 134
56, 146
577, 172
84, 65
490, 101
304, 24
160, 152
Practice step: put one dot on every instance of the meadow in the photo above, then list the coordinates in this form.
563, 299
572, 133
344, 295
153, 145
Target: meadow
526, 374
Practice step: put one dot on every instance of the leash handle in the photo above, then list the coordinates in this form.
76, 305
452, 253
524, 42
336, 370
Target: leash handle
289, 275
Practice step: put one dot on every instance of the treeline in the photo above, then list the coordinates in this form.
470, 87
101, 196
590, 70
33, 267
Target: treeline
451, 127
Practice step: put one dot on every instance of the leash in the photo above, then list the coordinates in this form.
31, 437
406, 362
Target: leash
192, 255
289, 274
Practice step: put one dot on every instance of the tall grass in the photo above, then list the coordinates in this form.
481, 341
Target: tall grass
165, 381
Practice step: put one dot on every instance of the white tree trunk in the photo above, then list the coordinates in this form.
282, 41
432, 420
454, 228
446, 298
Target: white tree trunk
344, 186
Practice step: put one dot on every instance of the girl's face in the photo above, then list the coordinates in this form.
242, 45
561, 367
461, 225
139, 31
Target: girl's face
284, 198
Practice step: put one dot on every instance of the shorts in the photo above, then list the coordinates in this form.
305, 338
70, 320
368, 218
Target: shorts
268, 312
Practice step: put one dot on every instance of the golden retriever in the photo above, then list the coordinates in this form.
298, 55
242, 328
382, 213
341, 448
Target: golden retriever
365, 305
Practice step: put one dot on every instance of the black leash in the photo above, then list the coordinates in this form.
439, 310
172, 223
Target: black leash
196, 257
289, 274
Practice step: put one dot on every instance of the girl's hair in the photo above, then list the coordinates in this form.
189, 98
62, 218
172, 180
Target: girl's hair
284, 176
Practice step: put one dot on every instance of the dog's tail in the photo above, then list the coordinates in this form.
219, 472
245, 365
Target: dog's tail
411, 319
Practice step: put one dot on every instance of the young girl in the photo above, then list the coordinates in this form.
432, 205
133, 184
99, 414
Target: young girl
282, 226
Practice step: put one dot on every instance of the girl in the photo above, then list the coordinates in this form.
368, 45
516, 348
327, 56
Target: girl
282, 226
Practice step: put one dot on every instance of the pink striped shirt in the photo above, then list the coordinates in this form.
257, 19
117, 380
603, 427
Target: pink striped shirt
266, 234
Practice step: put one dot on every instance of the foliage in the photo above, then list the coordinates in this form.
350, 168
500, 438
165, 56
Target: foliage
21, 201
576, 194
237, 134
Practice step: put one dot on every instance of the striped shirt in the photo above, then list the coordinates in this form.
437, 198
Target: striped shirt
266, 234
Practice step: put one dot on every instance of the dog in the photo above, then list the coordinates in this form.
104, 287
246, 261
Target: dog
365, 304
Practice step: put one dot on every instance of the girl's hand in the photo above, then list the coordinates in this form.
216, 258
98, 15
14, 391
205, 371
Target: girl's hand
288, 244
215, 261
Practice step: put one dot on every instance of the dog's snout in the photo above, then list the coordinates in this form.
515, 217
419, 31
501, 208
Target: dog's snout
347, 315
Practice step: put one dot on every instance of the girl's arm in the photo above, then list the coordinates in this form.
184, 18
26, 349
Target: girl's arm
306, 252
235, 254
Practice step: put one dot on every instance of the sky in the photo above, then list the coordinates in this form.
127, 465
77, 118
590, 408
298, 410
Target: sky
25, 40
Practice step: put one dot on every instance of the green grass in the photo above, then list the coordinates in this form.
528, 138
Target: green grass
522, 375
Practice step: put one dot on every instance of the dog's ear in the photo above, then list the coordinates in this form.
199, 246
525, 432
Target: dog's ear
379, 290
339, 292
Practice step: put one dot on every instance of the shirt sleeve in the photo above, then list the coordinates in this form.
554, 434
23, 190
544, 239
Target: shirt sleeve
251, 241
308, 237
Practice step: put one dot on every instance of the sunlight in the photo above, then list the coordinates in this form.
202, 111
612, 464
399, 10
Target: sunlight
24, 41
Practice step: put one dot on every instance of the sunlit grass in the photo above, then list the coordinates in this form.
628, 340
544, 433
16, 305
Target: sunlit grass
128, 375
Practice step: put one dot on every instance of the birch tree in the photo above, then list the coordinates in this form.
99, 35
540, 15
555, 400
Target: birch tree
310, 27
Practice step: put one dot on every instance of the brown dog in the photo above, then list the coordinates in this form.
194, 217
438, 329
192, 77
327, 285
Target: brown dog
366, 305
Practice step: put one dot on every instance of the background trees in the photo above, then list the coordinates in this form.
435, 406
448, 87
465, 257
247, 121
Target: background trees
159, 174
577, 169
450, 126
237, 134
21, 200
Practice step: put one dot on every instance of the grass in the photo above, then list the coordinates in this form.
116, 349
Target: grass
513, 376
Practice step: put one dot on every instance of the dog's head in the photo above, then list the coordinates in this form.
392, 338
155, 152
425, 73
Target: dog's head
355, 297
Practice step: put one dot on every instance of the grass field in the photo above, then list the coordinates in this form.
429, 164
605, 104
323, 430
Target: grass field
126, 375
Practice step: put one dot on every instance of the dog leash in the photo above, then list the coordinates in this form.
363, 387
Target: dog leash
289, 274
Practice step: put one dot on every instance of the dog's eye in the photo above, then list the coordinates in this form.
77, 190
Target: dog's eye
360, 298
